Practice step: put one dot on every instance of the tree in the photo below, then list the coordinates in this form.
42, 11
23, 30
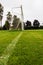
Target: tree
6, 26
36, 23
9, 17
16, 22
28, 24
1, 13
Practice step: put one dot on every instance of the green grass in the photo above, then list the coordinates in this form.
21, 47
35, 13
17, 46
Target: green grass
6, 38
28, 50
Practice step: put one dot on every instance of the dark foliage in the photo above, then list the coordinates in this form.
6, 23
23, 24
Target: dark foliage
1, 11
6, 26
9, 16
28, 24
36, 24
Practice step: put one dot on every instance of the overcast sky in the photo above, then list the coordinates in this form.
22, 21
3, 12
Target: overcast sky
33, 9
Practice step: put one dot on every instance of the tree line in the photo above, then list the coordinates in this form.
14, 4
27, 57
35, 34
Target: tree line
13, 22
36, 25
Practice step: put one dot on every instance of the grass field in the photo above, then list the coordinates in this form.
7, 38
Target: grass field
5, 39
26, 49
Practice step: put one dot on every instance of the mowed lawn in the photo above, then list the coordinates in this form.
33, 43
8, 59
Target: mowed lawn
28, 50
6, 38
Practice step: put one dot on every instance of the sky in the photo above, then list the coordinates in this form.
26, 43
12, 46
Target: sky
32, 9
